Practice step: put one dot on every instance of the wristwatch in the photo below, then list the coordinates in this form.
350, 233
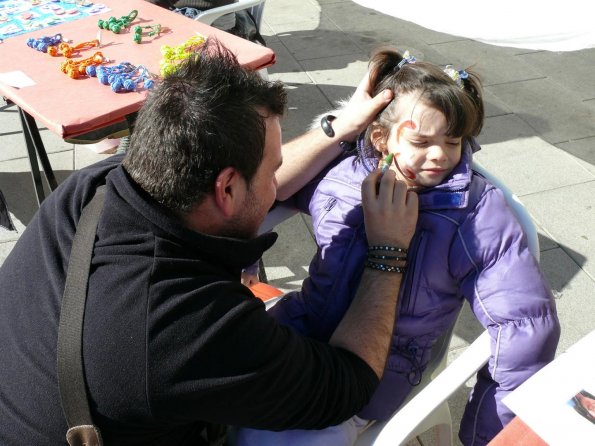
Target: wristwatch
325, 123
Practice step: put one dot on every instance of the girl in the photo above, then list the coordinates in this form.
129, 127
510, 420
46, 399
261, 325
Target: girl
467, 245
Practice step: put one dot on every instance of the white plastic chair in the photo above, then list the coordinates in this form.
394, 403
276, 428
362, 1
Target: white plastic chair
210, 15
427, 406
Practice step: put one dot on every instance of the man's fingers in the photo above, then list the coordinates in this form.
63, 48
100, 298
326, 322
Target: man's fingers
412, 200
370, 186
363, 88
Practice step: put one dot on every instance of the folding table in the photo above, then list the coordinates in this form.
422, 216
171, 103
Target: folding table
74, 107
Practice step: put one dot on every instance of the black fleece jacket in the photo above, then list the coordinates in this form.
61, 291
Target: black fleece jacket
171, 338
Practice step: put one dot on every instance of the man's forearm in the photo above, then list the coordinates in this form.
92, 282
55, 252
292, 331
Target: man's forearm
368, 324
303, 158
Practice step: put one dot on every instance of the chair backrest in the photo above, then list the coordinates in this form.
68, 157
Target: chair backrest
210, 15
517, 207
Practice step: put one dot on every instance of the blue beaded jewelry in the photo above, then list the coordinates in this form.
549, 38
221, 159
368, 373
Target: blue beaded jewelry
123, 77
42, 44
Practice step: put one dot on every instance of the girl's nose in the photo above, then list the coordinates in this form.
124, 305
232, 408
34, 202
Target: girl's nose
436, 152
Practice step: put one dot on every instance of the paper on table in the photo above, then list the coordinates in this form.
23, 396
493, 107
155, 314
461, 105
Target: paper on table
544, 402
16, 79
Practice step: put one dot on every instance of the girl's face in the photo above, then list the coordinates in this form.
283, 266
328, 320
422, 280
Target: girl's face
424, 154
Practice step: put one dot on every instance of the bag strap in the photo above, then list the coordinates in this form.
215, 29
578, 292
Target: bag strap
71, 376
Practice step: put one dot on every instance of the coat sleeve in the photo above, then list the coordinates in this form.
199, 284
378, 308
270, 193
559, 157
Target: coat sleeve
511, 298
239, 367
335, 269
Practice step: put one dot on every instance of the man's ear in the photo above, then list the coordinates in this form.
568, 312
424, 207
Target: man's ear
230, 190
378, 137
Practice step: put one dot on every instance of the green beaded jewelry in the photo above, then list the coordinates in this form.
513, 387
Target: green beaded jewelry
117, 25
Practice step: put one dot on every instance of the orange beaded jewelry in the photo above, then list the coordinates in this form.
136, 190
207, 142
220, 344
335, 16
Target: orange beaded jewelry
67, 51
76, 69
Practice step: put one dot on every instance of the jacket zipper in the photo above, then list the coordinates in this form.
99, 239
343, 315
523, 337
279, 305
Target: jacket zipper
410, 276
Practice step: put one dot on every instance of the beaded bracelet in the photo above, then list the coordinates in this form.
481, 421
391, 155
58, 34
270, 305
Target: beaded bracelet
43, 43
138, 32
174, 55
385, 268
75, 69
116, 25
123, 77
384, 257
67, 51
387, 248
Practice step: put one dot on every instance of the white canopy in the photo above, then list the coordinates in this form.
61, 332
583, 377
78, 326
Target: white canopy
531, 24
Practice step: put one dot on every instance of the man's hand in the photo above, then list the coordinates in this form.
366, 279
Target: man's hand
308, 154
390, 211
361, 110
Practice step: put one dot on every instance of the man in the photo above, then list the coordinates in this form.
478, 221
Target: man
172, 341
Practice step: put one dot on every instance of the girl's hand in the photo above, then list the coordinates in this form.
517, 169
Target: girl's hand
390, 210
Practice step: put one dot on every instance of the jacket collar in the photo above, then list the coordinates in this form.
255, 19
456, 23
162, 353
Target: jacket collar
233, 252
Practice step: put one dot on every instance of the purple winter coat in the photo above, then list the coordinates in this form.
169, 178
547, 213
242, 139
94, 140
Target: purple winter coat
467, 245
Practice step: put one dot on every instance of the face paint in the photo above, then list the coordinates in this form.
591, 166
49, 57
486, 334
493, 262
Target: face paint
407, 124
407, 172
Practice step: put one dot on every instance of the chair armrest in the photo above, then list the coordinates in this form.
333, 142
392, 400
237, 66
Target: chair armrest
406, 420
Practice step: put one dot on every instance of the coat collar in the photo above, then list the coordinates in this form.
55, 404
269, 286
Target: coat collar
233, 252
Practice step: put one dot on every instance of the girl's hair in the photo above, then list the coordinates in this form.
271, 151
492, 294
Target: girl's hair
461, 104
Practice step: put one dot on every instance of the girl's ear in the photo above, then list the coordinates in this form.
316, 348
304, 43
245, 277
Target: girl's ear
378, 138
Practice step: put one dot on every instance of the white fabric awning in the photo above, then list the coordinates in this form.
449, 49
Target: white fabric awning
566, 25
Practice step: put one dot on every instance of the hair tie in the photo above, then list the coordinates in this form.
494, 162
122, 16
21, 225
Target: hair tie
457, 76
407, 58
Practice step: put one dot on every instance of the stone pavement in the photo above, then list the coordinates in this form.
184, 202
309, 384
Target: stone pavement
539, 138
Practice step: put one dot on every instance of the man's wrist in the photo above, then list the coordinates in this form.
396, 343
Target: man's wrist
326, 125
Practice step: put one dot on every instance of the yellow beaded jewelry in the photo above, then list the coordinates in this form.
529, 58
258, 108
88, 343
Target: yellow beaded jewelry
172, 56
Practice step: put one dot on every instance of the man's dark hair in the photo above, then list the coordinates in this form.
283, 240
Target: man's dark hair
207, 115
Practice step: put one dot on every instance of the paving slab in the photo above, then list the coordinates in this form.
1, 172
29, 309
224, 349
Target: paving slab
286, 263
568, 213
581, 148
84, 156
286, 69
17, 186
530, 165
572, 71
289, 11
5, 249
326, 40
554, 113
574, 292
305, 102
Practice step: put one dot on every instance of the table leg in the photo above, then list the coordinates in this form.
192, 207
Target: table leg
35, 148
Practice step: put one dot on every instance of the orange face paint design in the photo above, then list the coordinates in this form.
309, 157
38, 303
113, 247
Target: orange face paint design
409, 125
